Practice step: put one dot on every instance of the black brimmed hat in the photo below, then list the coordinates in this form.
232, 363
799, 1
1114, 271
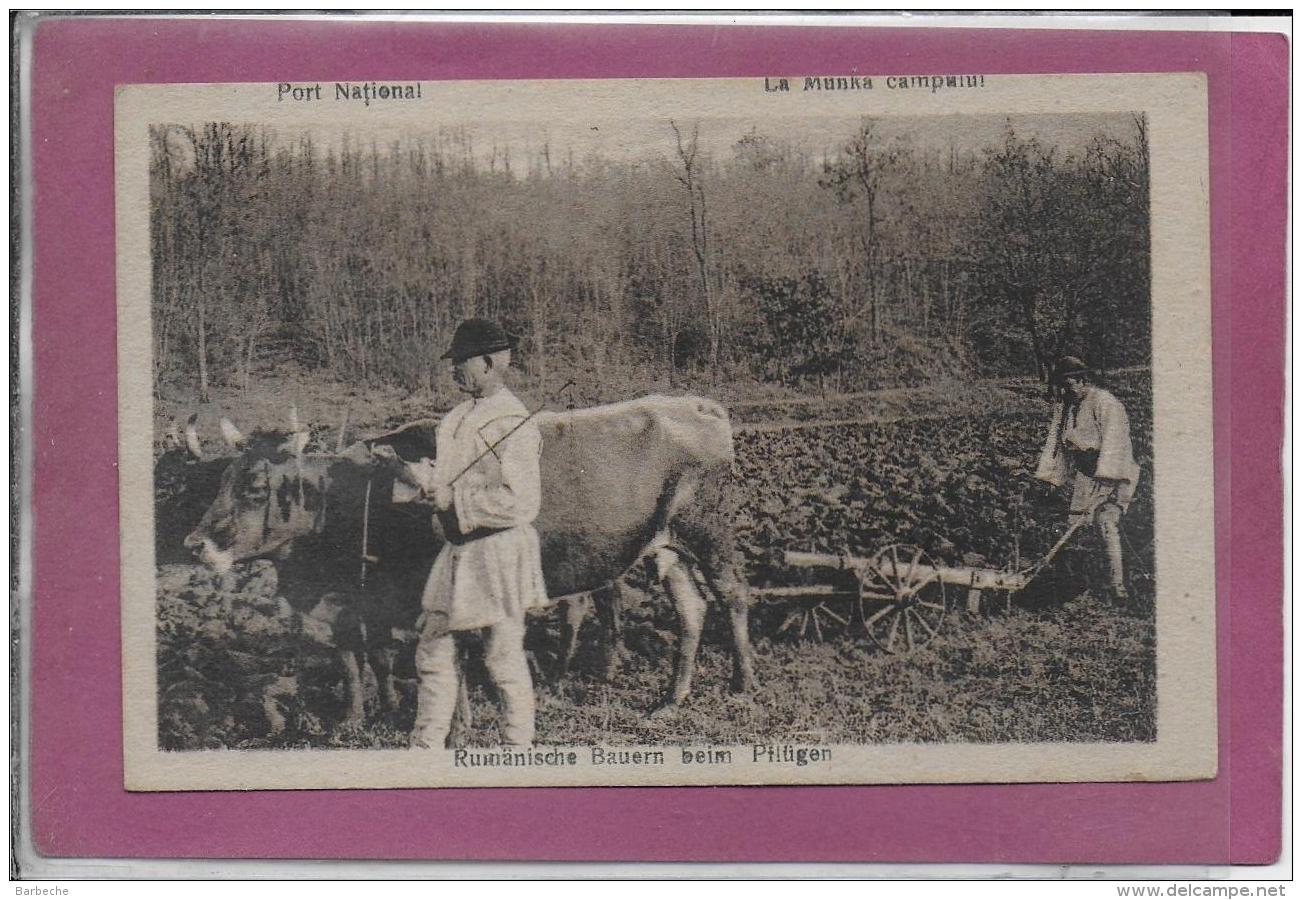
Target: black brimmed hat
477, 337
1067, 366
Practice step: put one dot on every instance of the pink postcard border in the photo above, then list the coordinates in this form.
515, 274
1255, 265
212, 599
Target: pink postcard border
78, 806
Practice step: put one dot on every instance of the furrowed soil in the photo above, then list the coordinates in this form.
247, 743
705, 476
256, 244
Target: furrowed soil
946, 469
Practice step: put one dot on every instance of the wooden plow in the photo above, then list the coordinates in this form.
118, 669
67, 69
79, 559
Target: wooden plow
899, 596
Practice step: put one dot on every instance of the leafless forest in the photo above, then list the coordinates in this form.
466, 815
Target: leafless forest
877, 261
873, 305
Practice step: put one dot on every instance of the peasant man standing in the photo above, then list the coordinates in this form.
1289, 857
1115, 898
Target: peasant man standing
486, 490
1089, 444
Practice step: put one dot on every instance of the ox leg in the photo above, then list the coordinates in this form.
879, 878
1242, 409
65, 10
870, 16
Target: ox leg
352, 662
690, 606
574, 610
283, 687
610, 613
743, 660
383, 662
732, 589
333, 620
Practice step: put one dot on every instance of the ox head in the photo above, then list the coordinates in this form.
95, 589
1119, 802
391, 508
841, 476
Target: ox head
270, 495
698, 435
697, 427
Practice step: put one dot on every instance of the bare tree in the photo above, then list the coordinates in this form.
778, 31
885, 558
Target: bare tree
357, 260
689, 176
857, 177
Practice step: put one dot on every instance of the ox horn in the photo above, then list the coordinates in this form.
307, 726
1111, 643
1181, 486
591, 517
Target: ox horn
231, 434
192, 437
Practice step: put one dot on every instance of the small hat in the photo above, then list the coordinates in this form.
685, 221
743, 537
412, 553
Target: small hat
477, 337
1067, 366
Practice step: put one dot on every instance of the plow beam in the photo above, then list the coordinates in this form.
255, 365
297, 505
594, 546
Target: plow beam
974, 579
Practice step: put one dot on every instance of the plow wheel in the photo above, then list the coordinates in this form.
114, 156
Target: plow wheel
901, 599
818, 617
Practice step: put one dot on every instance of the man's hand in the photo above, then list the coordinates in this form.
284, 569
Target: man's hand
386, 456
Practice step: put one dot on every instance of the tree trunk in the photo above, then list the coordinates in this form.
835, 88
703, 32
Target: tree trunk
202, 326
539, 317
249, 352
870, 267
1027, 303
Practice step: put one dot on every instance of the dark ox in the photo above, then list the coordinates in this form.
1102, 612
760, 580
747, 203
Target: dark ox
648, 476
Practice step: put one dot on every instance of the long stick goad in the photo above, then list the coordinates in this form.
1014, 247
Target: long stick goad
503, 439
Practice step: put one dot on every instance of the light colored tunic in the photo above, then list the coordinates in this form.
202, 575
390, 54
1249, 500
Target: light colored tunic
1098, 423
498, 576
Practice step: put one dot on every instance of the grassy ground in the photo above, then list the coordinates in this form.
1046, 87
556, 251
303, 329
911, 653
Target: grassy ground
1077, 672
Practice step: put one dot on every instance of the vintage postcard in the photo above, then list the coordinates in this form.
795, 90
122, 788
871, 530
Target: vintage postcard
835, 429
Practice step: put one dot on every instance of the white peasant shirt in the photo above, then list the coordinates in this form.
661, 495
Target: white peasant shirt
499, 575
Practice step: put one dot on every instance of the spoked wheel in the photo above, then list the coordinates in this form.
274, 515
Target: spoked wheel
901, 599
819, 615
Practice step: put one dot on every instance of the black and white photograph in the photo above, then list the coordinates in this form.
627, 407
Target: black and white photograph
784, 430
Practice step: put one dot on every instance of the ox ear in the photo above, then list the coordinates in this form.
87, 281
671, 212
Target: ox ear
296, 442
232, 435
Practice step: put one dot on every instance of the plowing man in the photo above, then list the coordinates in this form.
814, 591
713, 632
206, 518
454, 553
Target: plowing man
1089, 443
486, 490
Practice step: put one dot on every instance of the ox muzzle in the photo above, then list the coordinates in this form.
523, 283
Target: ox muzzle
205, 550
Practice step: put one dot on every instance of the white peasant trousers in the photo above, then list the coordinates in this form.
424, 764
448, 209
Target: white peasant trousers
436, 698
